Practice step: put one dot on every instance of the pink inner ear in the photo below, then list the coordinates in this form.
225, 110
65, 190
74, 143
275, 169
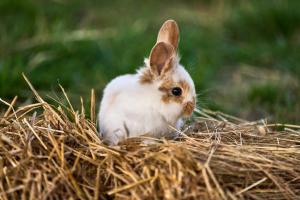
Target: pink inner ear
160, 57
160, 68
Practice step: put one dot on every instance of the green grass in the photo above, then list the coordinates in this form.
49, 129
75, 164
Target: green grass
83, 44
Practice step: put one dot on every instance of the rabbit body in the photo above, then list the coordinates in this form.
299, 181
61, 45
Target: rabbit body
143, 103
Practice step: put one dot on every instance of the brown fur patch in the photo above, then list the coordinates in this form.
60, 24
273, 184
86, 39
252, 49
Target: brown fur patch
188, 108
146, 76
185, 87
166, 88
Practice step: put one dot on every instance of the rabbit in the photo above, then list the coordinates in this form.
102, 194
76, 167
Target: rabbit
161, 94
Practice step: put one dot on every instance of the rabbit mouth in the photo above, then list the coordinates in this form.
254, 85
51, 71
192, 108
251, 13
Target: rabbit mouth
188, 109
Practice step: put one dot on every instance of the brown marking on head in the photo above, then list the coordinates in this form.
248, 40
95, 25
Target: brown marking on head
146, 76
188, 108
184, 86
167, 86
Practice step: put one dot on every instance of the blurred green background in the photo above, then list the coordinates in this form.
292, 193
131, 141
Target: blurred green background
243, 55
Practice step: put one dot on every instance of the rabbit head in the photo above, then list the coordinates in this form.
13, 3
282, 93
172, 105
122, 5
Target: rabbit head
164, 71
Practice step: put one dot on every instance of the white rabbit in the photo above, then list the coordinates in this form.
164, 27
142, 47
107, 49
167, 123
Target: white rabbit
158, 96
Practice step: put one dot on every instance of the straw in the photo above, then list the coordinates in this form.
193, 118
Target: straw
49, 152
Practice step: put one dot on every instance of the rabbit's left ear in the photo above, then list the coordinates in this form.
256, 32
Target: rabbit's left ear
161, 57
169, 33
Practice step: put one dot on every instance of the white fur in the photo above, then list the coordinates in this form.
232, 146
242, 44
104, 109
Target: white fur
129, 108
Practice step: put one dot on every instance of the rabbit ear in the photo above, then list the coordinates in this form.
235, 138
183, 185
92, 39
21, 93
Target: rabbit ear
169, 33
160, 58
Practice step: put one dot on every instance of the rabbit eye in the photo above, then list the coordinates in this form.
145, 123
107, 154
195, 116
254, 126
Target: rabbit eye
176, 91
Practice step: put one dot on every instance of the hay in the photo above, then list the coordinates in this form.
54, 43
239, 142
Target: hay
49, 152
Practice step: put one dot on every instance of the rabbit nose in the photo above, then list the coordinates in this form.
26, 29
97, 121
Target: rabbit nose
188, 108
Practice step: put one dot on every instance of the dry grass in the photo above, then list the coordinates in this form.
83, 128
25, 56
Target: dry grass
49, 152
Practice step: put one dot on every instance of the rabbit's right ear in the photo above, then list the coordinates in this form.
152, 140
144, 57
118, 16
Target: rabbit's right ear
169, 33
160, 58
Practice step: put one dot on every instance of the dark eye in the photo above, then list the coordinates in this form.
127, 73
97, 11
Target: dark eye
176, 91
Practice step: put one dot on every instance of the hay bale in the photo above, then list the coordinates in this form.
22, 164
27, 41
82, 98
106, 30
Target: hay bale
49, 152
